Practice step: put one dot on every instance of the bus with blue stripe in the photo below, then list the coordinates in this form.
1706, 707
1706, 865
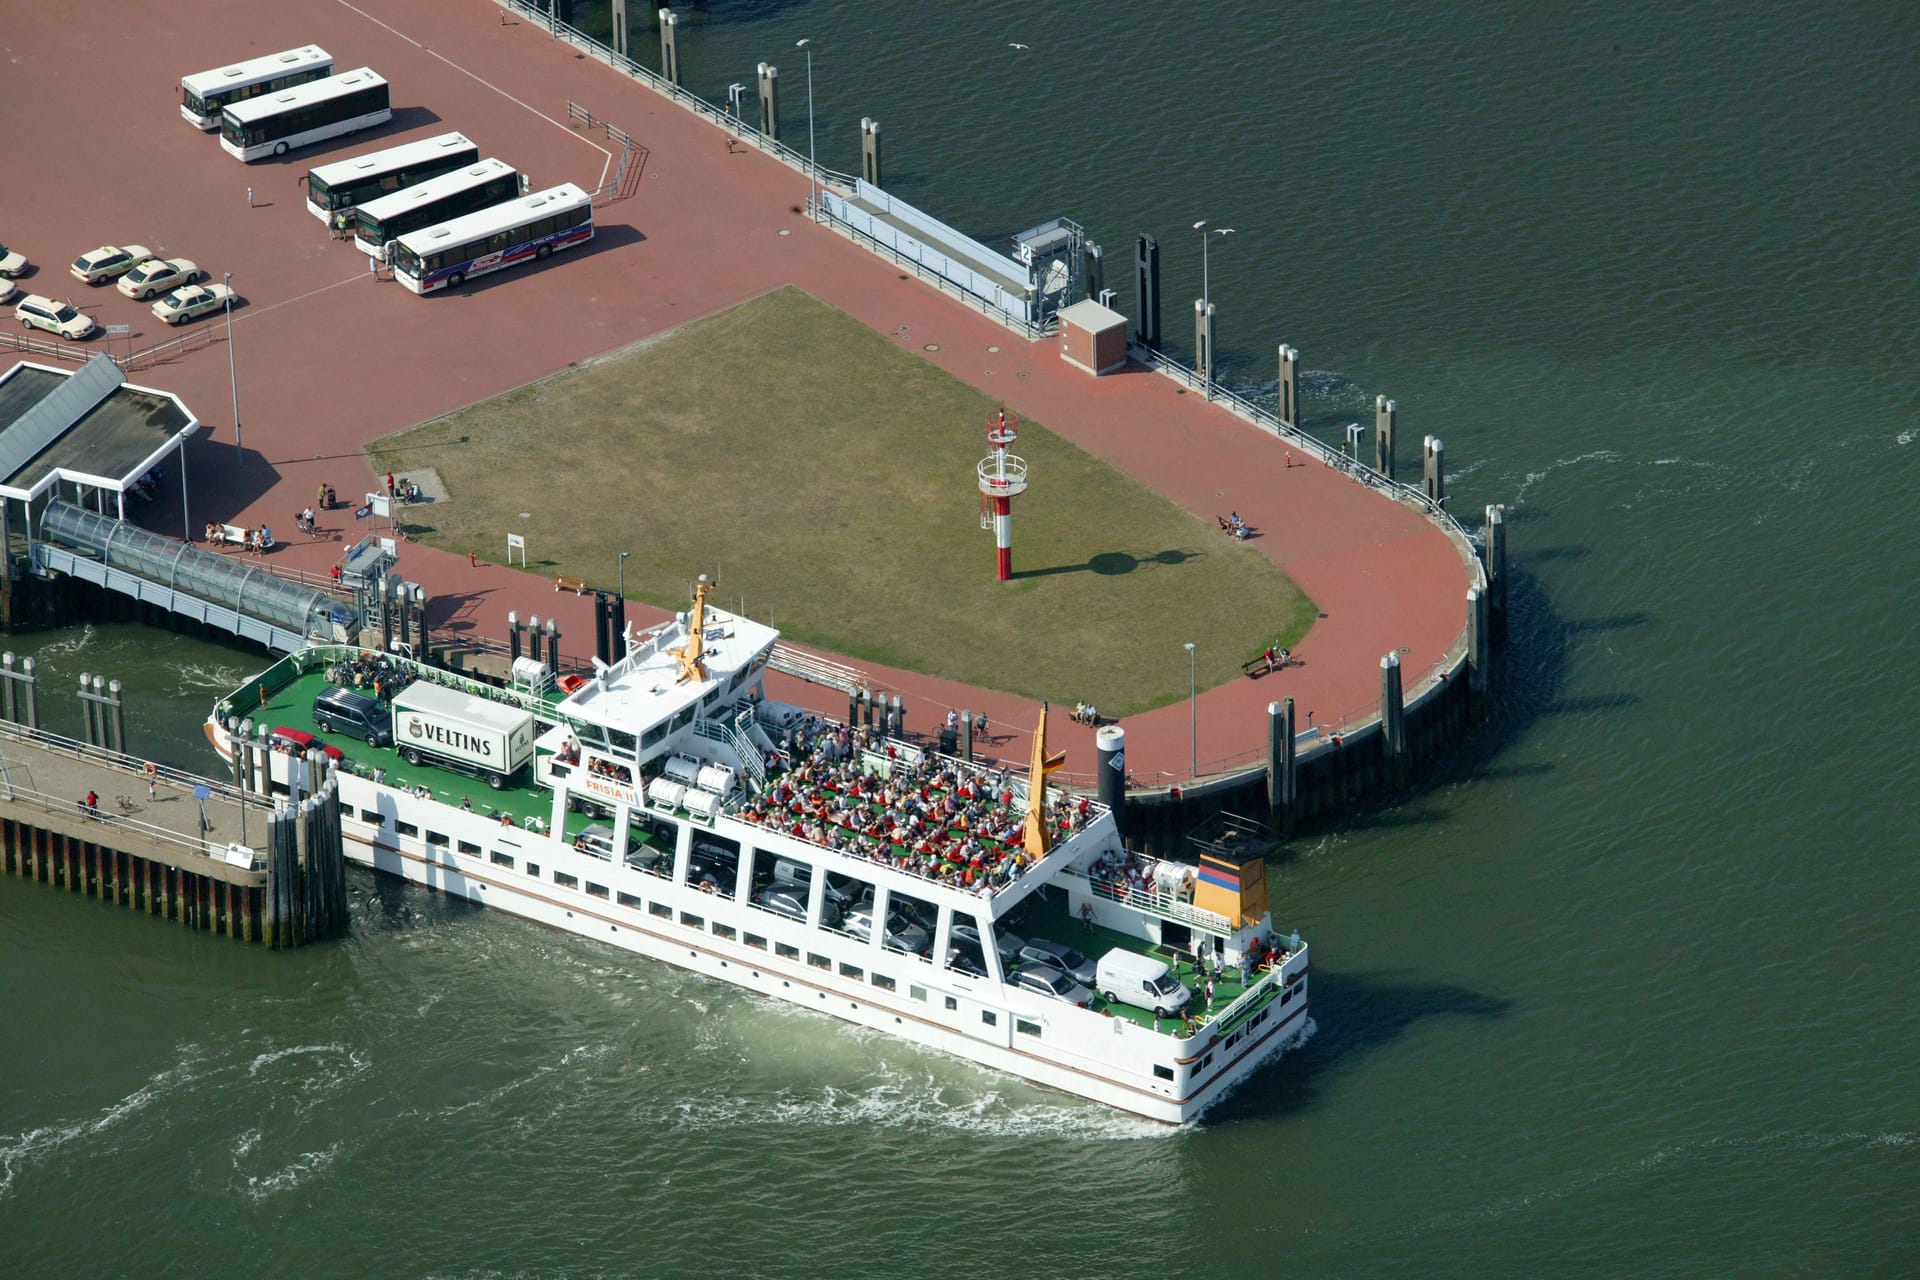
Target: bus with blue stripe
519, 231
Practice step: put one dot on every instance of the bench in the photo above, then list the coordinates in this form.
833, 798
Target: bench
561, 582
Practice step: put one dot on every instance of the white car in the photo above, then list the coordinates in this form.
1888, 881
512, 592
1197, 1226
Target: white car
63, 318
108, 261
157, 275
8, 290
194, 300
11, 263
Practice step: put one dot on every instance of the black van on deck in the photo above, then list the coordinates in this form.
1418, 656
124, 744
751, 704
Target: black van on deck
356, 715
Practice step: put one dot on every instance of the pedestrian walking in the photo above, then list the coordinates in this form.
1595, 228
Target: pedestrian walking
153, 780
473, 559
249, 197
373, 267
1209, 995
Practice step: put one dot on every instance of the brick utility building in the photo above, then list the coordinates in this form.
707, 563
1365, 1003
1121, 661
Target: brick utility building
1093, 337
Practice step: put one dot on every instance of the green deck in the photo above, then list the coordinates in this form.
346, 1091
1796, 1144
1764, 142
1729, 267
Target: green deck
1045, 915
293, 708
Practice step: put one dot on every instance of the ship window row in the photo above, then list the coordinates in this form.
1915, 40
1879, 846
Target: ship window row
438, 840
596, 890
502, 859
566, 881
723, 930
662, 910
1026, 1028
470, 848
786, 951
629, 900
405, 828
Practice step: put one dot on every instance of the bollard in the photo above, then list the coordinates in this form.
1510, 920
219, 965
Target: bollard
533, 637
770, 100
1110, 772
33, 693
513, 635
86, 710
870, 151
6, 687
619, 26
1146, 290
1289, 407
423, 645
601, 647
1477, 671
1094, 269
670, 46
617, 621
1496, 553
1203, 344
853, 707
553, 645
899, 717
117, 723
1283, 788
1433, 469
1393, 719
966, 735
1383, 415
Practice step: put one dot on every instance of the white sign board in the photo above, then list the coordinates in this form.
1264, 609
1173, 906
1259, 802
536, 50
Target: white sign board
112, 329
240, 856
515, 542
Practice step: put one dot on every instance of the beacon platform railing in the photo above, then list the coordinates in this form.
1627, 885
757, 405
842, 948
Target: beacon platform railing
1159, 902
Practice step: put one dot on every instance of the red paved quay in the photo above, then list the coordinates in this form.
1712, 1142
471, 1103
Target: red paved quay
330, 360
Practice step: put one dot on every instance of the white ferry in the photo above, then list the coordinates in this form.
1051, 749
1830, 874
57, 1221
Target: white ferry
668, 807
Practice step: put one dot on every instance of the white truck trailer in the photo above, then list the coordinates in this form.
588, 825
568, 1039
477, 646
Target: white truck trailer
471, 735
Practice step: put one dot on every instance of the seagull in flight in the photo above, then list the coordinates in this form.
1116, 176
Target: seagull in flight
1013, 45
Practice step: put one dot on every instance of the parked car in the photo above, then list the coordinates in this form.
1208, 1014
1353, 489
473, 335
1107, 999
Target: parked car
964, 957
339, 710
902, 934
156, 276
8, 290
1048, 981
62, 318
193, 301
790, 900
97, 266
1059, 956
1007, 944
11, 263
596, 840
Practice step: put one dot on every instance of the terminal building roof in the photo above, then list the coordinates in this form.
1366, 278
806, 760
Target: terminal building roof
90, 426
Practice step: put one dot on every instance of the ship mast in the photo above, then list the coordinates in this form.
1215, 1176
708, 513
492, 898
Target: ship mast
694, 648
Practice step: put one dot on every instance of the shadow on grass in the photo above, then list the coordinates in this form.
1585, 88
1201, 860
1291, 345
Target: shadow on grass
1113, 564
1356, 1015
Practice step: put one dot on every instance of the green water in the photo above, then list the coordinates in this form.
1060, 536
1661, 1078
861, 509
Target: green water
1630, 992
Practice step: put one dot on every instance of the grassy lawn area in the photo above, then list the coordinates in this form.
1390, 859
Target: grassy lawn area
826, 476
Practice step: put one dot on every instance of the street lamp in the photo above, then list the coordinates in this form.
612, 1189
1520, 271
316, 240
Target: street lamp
233, 375
623, 573
813, 170
1193, 702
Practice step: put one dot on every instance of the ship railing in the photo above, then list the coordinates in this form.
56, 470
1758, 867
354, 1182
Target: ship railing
1258, 994
1158, 902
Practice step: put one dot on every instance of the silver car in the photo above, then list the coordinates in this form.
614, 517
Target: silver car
1048, 981
1057, 955
902, 933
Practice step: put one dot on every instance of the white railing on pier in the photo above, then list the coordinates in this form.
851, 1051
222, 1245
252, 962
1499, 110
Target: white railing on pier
201, 848
817, 670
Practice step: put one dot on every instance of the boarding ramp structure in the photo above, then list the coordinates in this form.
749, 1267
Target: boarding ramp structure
1025, 291
227, 593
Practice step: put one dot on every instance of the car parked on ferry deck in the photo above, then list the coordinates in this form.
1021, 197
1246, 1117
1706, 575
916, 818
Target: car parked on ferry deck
11, 263
1007, 944
1047, 981
356, 715
964, 957
157, 275
902, 934
97, 266
790, 900
1056, 955
62, 318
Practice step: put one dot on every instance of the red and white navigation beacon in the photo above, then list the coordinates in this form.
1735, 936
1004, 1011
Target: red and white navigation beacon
1003, 477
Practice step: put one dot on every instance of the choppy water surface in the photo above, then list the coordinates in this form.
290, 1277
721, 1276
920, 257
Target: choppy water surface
1630, 992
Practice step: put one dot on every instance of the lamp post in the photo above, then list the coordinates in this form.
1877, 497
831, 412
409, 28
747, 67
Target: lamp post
233, 374
623, 573
813, 170
1193, 702
1206, 297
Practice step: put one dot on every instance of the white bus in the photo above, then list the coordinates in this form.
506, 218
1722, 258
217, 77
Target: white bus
204, 96
306, 114
442, 199
521, 230
345, 185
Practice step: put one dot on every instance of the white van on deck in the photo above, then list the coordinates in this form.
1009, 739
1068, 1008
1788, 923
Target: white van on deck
1131, 978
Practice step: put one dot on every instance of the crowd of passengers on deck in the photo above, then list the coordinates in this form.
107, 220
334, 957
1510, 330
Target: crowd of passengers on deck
373, 673
1130, 873
929, 817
